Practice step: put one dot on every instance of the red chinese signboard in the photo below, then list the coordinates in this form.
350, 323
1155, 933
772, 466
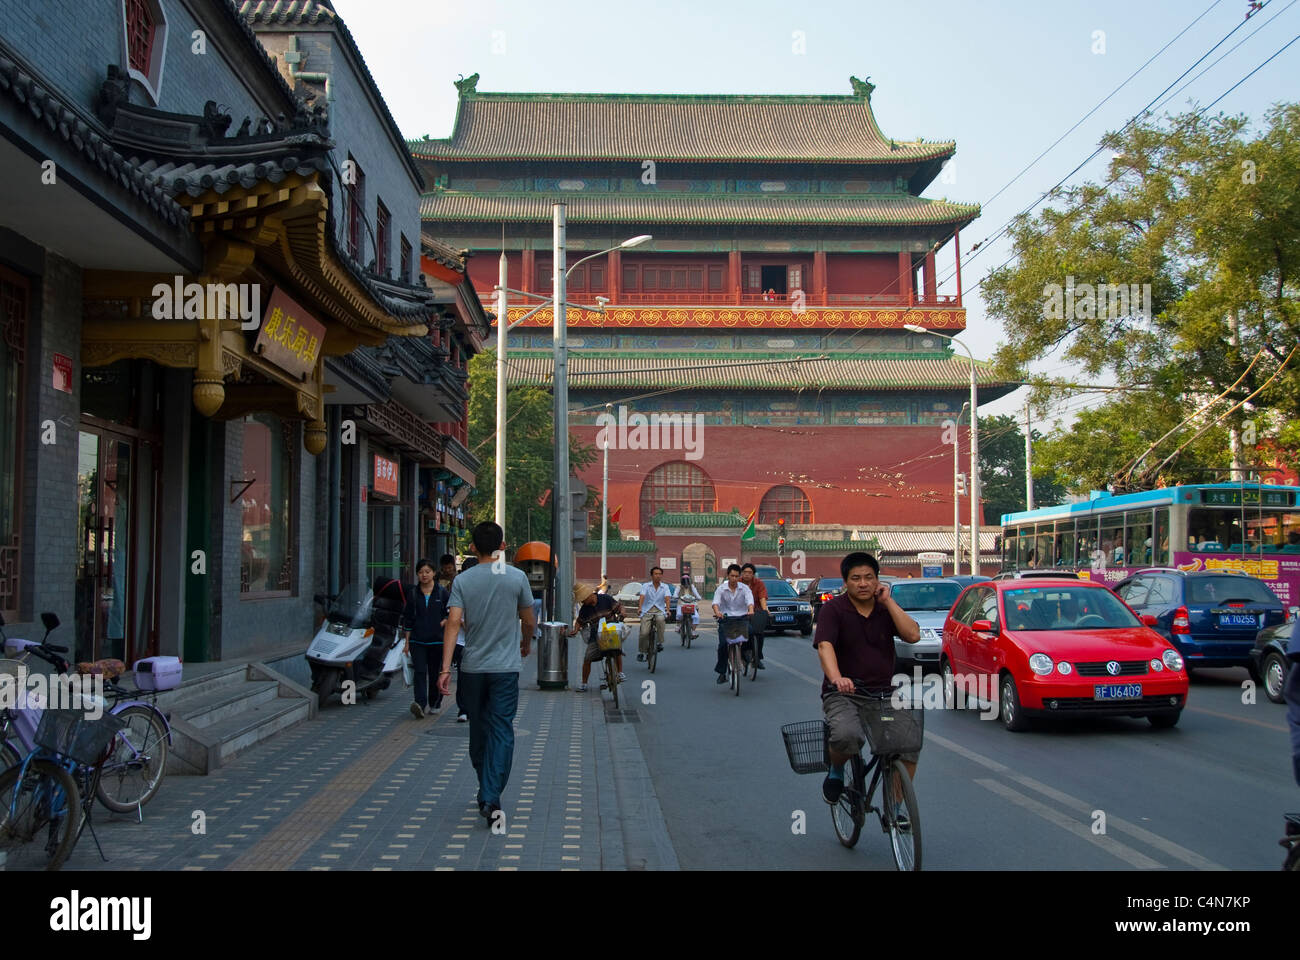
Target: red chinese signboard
385, 476
62, 373
290, 337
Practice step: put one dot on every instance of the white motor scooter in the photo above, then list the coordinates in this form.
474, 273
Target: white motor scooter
358, 648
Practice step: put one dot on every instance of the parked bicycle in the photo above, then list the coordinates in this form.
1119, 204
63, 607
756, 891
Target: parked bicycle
891, 732
735, 630
132, 773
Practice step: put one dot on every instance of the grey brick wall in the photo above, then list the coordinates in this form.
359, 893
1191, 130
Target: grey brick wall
50, 470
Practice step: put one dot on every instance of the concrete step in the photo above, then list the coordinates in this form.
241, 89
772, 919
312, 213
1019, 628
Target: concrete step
226, 701
258, 723
202, 685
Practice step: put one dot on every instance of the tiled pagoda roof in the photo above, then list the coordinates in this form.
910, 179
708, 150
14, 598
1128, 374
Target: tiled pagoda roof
672, 127
592, 370
665, 519
898, 210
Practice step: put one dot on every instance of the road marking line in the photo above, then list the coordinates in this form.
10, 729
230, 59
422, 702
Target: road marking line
1108, 844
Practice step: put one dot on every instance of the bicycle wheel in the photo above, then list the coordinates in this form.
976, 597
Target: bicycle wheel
9, 756
846, 813
611, 679
134, 770
39, 816
737, 668
653, 654
905, 839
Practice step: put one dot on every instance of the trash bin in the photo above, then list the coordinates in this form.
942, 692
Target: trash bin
553, 656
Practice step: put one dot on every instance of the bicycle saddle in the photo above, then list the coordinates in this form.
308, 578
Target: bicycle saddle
108, 669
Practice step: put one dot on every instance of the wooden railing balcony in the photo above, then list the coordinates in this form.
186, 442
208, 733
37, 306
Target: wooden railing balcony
775, 301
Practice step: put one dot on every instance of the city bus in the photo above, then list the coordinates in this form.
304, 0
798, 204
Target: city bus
1252, 527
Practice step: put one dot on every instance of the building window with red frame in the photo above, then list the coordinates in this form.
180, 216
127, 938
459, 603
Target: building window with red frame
139, 34
144, 43
356, 208
678, 487
405, 262
785, 503
382, 239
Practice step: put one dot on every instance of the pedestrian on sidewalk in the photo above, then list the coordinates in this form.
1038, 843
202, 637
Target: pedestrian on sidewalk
654, 614
495, 604
425, 618
592, 608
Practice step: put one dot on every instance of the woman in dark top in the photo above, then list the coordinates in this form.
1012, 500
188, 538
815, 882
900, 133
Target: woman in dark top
426, 613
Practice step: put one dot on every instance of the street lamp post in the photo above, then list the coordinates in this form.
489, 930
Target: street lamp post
604, 503
956, 512
974, 485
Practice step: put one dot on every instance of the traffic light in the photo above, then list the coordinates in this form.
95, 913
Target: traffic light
780, 536
780, 546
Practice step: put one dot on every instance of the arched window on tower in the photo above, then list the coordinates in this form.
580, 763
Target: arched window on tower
785, 503
677, 488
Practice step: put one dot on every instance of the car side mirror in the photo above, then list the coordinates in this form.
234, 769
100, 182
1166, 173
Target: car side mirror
982, 626
1148, 620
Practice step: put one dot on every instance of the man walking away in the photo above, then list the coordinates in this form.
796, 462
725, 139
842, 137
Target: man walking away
654, 613
495, 604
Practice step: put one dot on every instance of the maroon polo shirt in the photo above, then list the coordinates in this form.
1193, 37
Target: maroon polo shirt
864, 646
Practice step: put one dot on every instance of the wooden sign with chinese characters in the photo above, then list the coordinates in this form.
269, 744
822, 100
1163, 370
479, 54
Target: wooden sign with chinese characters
290, 337
385, 476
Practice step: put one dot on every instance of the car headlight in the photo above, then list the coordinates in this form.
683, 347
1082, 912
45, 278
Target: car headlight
1173, 659
1041, 664
1156, 665
805, 608
1063, 667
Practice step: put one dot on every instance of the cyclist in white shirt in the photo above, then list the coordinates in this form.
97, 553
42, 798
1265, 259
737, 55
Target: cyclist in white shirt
654, 612
731, 599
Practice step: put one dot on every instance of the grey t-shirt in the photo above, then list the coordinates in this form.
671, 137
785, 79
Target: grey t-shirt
490, 604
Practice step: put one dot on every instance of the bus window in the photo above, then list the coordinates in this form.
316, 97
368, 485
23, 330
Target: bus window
1024, 546
1213, 530
1137, 537
1043, 545
1009, 549
1160, 538
1111, 537
1085, 539
1065, 543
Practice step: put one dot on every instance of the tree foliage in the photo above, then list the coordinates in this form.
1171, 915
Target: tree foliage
530, 453
1002, 469
1205, 217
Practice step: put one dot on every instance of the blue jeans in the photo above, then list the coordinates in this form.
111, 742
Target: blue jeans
490, 701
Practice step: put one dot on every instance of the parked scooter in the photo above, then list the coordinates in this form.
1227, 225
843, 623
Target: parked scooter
358, 643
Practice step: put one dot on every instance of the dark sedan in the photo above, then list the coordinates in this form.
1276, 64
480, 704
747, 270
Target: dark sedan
821, 590
787, 610
1268, 659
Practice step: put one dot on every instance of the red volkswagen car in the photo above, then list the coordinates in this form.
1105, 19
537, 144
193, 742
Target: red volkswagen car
1058, 648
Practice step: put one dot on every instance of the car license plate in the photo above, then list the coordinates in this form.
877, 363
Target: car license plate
783, 618
1238, 620
1117, 691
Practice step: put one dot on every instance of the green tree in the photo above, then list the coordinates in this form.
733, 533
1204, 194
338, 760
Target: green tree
1002, 469
530, 455
1201, 220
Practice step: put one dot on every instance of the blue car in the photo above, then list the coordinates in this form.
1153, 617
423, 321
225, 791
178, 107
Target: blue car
1212, 617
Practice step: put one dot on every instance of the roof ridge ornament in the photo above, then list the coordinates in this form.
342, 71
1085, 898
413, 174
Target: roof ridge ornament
862, 88
466, 85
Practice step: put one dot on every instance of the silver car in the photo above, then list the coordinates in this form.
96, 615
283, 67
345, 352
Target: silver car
927, 601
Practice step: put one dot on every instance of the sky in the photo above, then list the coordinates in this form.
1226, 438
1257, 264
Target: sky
1004, 80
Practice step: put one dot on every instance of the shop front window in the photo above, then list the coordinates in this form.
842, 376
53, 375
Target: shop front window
267, 505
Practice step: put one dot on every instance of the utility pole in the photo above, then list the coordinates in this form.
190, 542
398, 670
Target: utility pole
501, 392
604, 502
1029, 460
562, 535
956, 492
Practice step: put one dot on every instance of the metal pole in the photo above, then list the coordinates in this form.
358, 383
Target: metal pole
604, 503
561, 536
974, 469
501, 393
956, 499
1029, 463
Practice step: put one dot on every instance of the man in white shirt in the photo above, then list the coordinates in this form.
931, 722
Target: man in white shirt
731, 599
654, 613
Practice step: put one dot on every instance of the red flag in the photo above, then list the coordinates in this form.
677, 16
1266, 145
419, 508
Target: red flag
613, 517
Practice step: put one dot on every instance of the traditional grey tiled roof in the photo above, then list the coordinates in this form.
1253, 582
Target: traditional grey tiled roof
591, 370
196, 179
449, 206
314, 12
47, 106
666, 127
444, 253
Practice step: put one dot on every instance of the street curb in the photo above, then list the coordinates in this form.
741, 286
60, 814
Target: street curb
645, 841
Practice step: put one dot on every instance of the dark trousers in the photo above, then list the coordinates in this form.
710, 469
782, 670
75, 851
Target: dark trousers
455, 662
426, 662
491, 701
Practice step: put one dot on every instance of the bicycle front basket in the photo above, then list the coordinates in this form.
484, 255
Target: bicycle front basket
735, 629
71, 734
805, 745
891, 730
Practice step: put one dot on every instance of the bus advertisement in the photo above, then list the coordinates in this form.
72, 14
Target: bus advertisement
1252, 528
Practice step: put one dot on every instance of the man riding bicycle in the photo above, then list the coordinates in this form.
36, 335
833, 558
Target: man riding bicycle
594, 607
654, 613
731, 599
748, 576
854, 639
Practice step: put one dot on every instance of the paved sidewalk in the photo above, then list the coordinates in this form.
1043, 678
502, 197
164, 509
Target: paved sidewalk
368, 787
